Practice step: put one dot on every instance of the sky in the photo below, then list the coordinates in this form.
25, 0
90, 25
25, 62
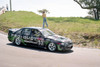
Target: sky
57, 8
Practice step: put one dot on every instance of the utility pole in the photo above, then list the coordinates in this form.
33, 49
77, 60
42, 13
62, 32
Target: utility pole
10, 6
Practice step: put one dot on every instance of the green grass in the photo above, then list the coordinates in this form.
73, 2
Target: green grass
59, 25
20, 18
75, 24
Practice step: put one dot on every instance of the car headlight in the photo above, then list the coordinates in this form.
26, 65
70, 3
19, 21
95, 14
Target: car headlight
69, 40
62, 44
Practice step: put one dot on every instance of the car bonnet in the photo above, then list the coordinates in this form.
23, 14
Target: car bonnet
59, 38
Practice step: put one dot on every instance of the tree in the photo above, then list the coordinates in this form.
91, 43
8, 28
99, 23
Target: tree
43, 10
93, 5
91, 13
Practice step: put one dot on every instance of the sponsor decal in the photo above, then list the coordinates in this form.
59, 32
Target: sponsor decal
39, 39
59, 47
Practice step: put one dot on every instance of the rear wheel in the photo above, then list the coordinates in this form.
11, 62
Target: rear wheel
18, 41
52, 47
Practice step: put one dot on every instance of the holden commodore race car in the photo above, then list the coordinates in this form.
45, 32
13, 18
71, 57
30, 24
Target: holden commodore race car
41, 37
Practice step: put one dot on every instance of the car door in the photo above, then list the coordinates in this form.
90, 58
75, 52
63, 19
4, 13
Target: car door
26, 34
37, 37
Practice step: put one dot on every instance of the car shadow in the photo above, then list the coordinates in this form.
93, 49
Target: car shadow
31, 47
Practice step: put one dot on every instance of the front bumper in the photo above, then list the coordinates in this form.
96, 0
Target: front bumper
65, 47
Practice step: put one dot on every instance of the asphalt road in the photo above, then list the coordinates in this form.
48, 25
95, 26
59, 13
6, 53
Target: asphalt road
22, 56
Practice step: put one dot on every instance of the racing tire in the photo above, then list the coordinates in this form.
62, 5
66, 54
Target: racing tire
52, 47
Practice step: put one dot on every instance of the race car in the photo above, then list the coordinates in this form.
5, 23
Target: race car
41, 37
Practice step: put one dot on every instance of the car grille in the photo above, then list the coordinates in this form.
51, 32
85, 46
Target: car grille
68, 43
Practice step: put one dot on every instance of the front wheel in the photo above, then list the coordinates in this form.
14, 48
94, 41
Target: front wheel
52, 47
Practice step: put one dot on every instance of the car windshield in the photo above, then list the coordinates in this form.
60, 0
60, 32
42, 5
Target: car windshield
47, 32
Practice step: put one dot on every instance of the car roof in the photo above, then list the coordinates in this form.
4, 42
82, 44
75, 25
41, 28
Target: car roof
39, 28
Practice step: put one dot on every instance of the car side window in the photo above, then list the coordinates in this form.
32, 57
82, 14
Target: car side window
26, 32
36, 33
19, 31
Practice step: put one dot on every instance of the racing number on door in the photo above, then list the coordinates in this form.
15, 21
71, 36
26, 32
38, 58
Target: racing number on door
40, 41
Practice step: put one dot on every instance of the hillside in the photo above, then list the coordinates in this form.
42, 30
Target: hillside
63, 24
19, 19
81, 30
